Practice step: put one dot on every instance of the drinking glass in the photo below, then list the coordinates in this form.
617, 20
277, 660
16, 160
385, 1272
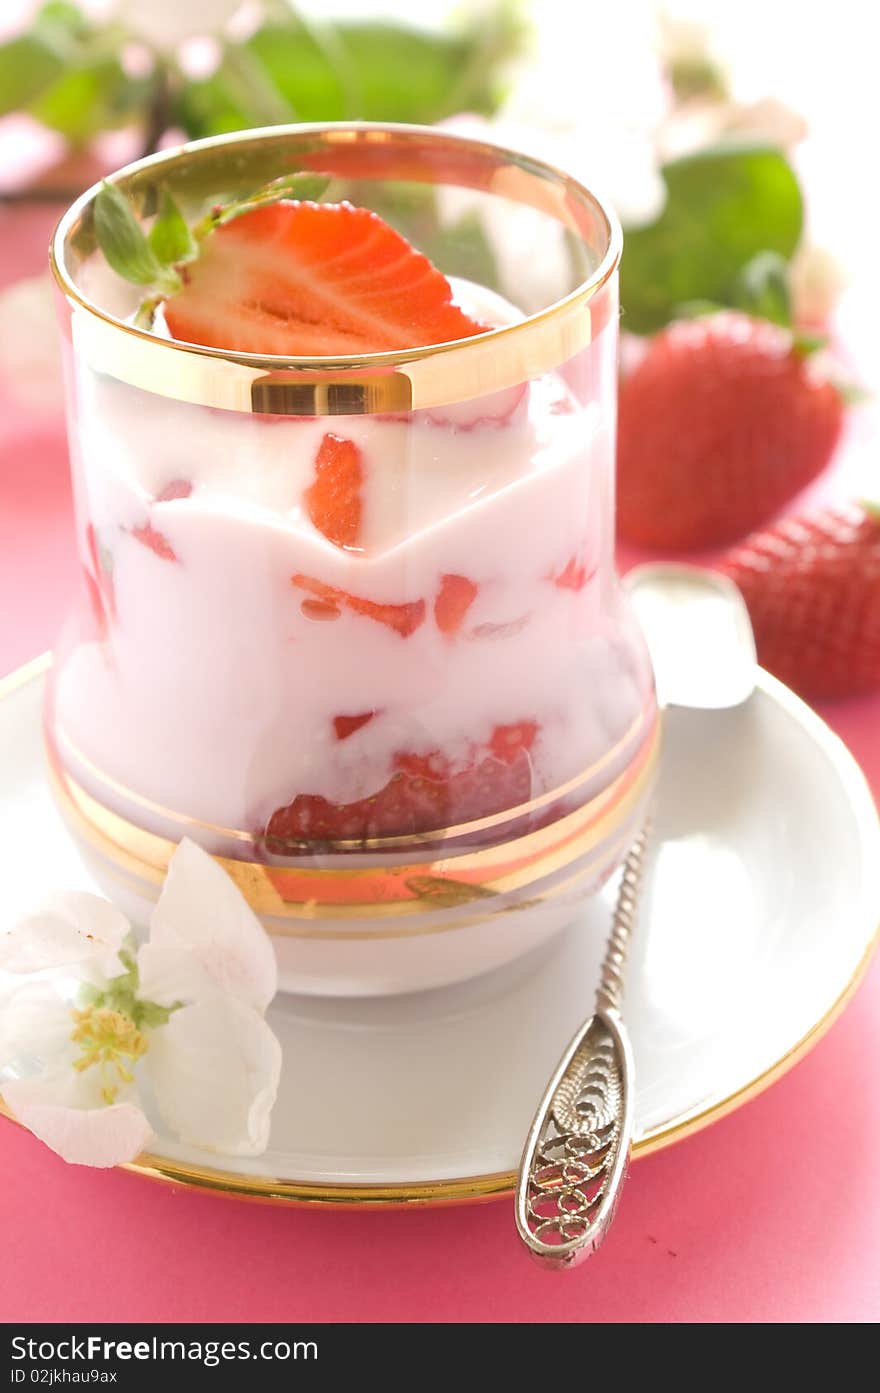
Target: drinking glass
416, 756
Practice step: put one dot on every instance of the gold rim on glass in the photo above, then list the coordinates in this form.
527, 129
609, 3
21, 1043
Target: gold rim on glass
374, 383
581, 840
502, 1184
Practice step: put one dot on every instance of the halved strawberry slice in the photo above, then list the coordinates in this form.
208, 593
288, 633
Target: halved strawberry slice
454, 599
155, 541
309, 279
150, 536
101, 570
422, 795
344, 726
573, 576
98, 576
405, 618
177, 488
509, 742
333, 501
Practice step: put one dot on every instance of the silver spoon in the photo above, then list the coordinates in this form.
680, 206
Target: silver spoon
698, 632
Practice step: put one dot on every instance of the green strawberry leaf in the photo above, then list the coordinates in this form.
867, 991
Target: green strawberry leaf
151, 260
121, 239
724, 206
805, 344
303, 186
170, 239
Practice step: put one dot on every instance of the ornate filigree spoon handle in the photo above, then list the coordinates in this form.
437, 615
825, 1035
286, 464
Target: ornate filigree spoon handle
577, 1150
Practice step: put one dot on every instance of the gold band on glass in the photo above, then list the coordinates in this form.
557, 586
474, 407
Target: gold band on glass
67, 753
374, 383
583, 840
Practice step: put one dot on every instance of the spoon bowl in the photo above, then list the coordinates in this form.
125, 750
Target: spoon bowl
698, 633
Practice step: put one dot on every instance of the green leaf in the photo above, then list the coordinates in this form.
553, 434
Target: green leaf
697, 309
121, 238
762, 289
207, 107
238, 94
494, 36
97, 95
291, 69
64, 15
32, 61
723, 207
28, 65
216, 105
373, 70
170, 239
66, 71
302, 72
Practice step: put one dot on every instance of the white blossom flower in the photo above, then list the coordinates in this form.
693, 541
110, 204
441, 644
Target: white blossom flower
167, 23
817, 281
577, 104
101, 1033
694, 125
710, 100
30, 359
592, 92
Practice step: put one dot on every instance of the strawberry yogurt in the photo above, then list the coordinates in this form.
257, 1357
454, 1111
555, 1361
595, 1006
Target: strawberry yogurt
213, 687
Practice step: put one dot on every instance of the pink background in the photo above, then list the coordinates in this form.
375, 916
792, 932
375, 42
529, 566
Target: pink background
772, 1214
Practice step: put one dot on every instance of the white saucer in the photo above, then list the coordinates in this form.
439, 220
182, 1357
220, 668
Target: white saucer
759, 916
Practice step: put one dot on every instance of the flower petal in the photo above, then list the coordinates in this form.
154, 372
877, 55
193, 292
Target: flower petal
200, 905
35, 1024
170, 973
83, 1136
165, 24
67, 930
214, 1069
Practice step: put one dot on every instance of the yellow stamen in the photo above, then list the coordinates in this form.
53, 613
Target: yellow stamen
107, 1038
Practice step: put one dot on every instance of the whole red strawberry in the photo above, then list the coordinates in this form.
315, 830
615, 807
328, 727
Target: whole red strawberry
722, 422
812, 586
